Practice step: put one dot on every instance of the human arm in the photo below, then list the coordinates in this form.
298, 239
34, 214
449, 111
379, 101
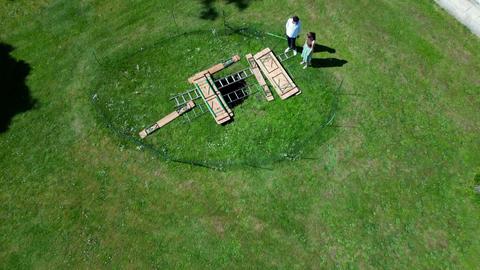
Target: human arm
299, 28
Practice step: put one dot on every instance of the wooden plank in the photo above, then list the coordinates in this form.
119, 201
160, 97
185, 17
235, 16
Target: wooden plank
219, 95
167, 119
214, 69
218, 67
210, 94
276, 74
205, 87
258, 75
220, 111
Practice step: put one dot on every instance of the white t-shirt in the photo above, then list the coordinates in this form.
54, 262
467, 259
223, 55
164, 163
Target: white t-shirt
293, 29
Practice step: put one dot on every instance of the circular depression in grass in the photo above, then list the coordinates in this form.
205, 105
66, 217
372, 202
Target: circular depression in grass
135, 89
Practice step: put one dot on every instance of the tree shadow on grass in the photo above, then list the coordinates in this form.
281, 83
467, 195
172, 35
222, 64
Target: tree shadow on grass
14, 94
209, 12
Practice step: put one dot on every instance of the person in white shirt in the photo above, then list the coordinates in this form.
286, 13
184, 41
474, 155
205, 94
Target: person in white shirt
292, 28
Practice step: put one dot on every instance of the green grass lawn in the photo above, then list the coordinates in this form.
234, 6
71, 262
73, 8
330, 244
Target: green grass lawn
262, 132
388, 183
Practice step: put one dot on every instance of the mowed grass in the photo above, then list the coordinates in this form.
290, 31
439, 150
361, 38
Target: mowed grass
137, 90
389, 184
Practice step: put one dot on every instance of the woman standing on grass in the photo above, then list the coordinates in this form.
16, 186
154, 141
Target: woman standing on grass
307, 51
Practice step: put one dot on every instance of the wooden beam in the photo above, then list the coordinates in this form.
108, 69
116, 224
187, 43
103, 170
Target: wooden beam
214, 69
258, 75
167, 119
276, 74
213, 99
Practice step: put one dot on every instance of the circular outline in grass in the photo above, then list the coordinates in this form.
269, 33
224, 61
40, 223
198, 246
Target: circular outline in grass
163, 150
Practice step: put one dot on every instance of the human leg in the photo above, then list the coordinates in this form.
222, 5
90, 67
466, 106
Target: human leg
304, 54
289, 41
293, 45
308, 60
304, 59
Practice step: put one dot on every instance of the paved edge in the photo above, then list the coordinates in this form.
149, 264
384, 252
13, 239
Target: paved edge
466, 11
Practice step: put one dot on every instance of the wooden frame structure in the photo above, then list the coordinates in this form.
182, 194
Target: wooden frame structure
264, 65
276, 74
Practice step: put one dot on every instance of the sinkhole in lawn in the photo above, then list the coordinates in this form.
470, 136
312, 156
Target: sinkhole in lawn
134, 89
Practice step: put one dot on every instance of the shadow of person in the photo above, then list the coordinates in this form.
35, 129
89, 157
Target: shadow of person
318, 48
327, 62
14, 94
324, 62
323, 48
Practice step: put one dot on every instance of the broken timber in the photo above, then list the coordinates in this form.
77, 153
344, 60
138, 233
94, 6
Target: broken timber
167, 119
276, 74
258, 75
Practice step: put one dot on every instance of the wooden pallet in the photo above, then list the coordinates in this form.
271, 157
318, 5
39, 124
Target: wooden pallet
258, 75
276, 74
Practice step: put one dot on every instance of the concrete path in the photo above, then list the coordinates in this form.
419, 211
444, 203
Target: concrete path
466, 11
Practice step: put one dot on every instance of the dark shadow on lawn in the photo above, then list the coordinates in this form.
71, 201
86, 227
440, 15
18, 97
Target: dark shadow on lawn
209, 12
323, 48
233, 95
327, 62
319, 48
14, 94
324, 62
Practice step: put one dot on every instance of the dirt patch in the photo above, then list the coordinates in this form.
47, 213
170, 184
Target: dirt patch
217, 225
258, 225
436, 239
461, 121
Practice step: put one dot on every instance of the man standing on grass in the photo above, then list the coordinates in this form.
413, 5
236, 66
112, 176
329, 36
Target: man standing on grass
292, 28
